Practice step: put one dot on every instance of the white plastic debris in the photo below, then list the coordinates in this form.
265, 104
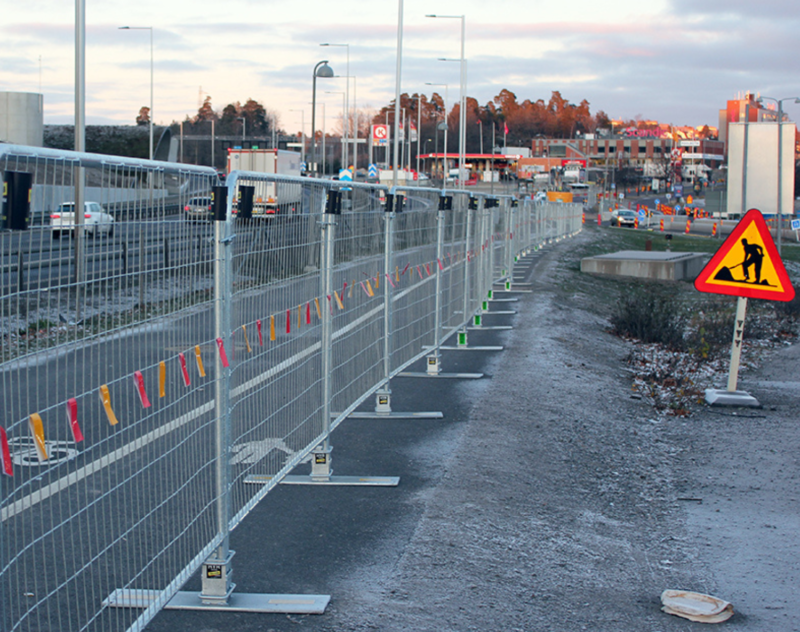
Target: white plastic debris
696, 606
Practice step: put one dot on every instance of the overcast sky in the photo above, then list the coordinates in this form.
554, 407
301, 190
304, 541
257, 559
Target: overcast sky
676, 61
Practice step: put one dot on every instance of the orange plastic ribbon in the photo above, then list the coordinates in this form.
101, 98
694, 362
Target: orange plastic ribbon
105, 398
199, 359
37, 430
162, 379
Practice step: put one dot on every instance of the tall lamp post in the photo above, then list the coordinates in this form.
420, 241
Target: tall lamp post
322, 69
146, 28
780, 161
302, 134
244, 128
462, 114
346, 129
344, 112
444, 162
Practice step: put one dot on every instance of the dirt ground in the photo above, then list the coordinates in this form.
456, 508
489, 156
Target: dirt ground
567, 503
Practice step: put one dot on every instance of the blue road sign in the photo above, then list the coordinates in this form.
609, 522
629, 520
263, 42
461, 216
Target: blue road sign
372, 171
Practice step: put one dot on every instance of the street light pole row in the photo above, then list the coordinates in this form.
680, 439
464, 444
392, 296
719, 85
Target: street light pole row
780, 162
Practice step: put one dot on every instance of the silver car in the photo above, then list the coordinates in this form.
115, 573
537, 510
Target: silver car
95, 220
198, 209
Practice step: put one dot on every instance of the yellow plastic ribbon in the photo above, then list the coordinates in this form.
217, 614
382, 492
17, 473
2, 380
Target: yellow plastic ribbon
199, 359
246, 341
272, 328
319, 312
162, 379
105, 397
37, 430
338, 300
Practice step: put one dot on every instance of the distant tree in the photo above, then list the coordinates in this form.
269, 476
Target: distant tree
205, 112
144, 116
601, 120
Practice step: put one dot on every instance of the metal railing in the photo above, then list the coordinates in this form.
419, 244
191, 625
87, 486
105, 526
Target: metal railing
147, 376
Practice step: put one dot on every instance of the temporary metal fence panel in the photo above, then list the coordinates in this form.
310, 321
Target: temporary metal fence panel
454, 249
412, 276
150, 370
110, 448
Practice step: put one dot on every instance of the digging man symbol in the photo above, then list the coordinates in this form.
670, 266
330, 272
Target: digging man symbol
753, 256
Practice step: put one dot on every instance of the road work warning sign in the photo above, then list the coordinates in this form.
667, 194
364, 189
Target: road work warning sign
747, 264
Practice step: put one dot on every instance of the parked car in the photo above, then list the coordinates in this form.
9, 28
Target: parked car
95, 220
623, 217
198, 209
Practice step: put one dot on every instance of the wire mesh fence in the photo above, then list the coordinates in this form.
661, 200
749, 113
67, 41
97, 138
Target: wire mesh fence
169, 343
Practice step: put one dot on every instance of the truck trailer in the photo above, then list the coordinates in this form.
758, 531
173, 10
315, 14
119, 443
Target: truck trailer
273, 196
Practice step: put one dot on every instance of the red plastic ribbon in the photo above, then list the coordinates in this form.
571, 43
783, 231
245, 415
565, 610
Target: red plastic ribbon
308, 313
72, 415
8, 467
288, 321
138, 378
222, 355
184, 370
260, 337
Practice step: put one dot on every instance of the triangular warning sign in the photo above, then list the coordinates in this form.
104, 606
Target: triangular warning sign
747, 264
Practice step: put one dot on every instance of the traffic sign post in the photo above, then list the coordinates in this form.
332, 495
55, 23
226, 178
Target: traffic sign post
746, 265
796, 228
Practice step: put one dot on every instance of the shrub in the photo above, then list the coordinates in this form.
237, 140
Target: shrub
650, 316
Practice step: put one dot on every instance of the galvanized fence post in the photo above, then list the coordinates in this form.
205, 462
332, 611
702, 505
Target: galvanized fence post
321, 455
462, 333
216, 572
383, 397
434, 360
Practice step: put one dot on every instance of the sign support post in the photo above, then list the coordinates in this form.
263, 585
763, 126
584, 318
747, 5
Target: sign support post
746, 265
736, 348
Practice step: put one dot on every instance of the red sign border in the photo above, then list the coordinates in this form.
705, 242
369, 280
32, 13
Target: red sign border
753, 216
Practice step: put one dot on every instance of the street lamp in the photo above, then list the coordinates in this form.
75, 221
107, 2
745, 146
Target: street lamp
244, 128
322, 69
780, 160
343, 165
346, 129
462, 114
444, 161
302, 134
146, 28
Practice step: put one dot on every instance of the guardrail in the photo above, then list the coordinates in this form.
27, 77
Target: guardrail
149, 408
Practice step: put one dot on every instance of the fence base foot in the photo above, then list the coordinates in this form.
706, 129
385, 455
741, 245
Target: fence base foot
491, 328
237, 602
465, 348
463, 376
516, 290
352, 481
503, 300
394, 415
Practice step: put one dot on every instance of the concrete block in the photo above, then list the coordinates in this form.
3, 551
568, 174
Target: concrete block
662, 266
